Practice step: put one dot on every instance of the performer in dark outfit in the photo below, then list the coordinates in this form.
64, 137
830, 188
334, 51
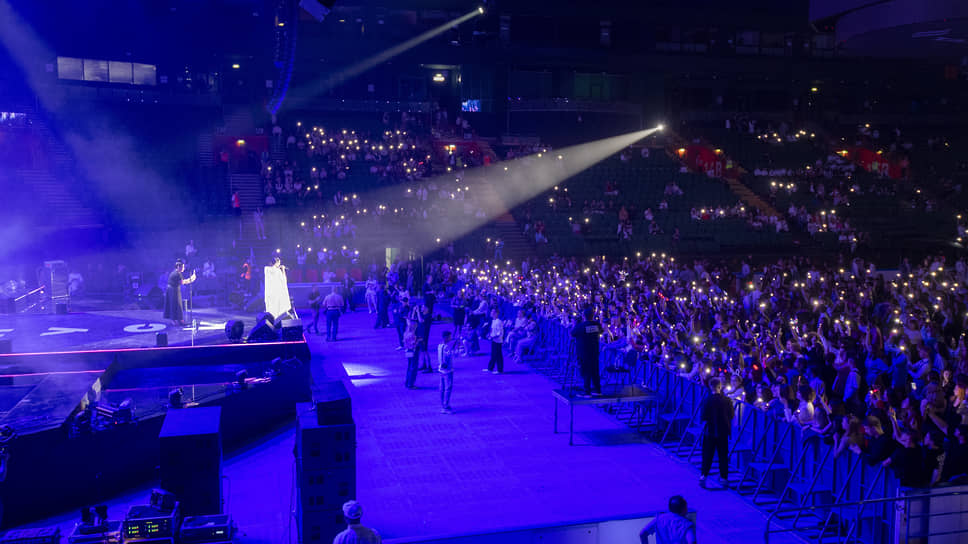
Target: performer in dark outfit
174, 308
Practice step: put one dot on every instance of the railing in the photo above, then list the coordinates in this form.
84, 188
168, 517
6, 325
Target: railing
775, 462
859, 507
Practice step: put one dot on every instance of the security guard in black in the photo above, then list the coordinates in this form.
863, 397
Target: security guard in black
587, 334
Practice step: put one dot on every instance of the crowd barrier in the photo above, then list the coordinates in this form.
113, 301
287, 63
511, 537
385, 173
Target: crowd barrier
780, 465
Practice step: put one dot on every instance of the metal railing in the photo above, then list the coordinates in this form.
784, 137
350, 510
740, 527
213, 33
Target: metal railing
859, 507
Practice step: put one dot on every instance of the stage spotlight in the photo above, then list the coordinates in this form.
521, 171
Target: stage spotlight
660, 127
175, 398
480, 10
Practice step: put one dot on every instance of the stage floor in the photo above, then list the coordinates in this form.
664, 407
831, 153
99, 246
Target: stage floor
492, 464
111, 329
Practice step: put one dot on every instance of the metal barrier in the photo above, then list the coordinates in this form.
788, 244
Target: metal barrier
778, 463
916, 505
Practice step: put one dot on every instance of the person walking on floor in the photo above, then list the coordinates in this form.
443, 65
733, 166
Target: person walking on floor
382, 308
717, 417
410, 351
495, 365
423, 320
672, 527
315, 302
334, 305
400, 309
370, 296
445, 366
356, 533
587, 334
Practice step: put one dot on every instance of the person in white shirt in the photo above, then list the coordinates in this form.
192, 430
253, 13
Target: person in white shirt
495, 365
356, 533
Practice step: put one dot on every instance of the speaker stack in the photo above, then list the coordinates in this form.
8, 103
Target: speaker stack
191, 459
325, 463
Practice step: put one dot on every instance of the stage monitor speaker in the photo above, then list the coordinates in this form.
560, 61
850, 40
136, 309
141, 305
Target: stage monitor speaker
161, 339
234, 330
326, 476
6, 346
332, 401
291, 329
319, 9
265, 317
263, 332
191, 459
60, 308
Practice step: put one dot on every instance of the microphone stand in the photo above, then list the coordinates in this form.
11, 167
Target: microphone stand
191, 309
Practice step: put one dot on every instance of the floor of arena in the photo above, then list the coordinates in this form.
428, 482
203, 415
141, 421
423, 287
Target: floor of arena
492, 464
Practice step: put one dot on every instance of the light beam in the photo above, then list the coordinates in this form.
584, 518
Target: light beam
325, 84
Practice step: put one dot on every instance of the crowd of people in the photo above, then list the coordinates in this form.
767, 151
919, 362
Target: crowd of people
876, 363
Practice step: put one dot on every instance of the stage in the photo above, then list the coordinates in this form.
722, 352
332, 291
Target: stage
112, 329
70, 373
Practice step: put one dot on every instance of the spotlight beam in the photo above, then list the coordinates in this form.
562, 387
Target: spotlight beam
513, 182
331, 81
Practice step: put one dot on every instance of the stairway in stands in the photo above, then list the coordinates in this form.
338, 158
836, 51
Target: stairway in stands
516, 245
738, 188
749, 198
61, 208
206, 149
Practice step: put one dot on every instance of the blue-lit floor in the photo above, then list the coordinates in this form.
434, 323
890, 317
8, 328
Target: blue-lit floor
494, 463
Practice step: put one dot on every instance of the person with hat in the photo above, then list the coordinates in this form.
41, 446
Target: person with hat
672, 527
356, 533
174, 305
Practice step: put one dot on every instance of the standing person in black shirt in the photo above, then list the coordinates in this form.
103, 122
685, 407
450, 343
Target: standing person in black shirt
382, 307
908, 459
587, 334
717, 415
348, 284
315, 301
174, 305
399, 310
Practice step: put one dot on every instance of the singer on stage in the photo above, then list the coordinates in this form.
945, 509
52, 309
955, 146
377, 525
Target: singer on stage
277, 298
174, 306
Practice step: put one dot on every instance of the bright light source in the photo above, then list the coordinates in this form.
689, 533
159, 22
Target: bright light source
439, 78
480, 9
236, 66
240, 142
660, 127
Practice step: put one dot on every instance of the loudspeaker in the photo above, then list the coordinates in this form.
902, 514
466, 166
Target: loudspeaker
234, 330
332, 402
265, 317
292, 330
326, 475
191, 459
161, 339
60, 308
263, 332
